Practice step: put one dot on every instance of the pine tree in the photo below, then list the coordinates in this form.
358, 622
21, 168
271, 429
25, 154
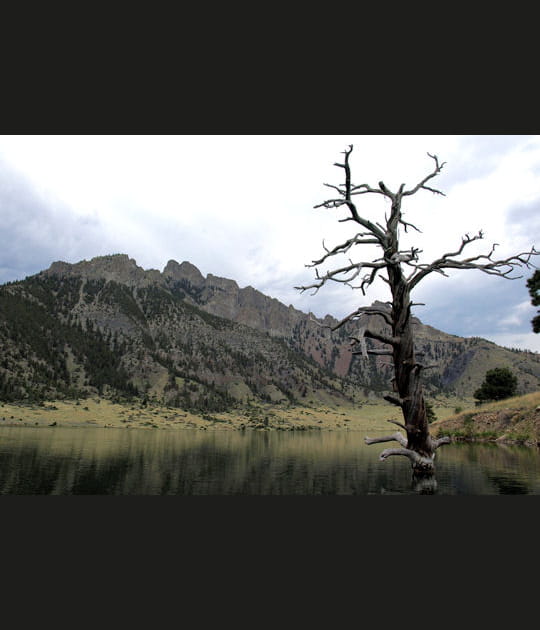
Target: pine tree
499, 383
533, 284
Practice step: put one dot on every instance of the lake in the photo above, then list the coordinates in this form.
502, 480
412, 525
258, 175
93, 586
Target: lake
100, 461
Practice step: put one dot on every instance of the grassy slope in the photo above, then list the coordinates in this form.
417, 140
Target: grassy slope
512, 420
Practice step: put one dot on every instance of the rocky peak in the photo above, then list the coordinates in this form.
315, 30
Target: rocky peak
184, 271
58, 268
117, 267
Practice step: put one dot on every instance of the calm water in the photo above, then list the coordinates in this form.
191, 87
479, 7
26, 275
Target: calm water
66, 461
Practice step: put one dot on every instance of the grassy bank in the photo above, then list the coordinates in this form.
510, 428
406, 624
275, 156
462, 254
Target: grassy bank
514, 420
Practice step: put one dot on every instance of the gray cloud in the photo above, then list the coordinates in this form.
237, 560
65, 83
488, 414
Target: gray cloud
471, 304
478, 157
37, 229
524, 220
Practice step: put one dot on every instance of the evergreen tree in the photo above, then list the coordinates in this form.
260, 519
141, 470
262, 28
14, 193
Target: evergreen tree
533, 284
499, 383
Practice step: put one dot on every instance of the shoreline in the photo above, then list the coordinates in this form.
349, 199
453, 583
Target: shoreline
501, 425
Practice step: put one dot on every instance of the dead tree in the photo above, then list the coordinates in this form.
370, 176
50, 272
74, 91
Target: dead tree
402, 271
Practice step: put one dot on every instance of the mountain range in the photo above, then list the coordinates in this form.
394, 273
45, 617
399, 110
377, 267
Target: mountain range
108, 326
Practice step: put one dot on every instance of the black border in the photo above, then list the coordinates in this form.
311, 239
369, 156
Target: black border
300, 536
309, 90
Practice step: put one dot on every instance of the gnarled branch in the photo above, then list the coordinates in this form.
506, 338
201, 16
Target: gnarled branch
354, 269
397, 437
502, 268
380, 352
346, 193
436, 442
361, 340
364, 310
395, 400
373, 310
344, 247
422, 184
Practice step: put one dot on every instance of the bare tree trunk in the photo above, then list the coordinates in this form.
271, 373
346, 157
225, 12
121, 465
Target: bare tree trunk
407, 372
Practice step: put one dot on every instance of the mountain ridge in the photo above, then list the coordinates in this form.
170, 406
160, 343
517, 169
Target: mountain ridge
188, 339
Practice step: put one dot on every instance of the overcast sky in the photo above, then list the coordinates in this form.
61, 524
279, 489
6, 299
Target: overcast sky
241, 207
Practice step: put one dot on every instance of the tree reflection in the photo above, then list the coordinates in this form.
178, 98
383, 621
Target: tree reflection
424, 484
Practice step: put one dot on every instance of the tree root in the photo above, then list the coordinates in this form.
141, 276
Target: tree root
419, 462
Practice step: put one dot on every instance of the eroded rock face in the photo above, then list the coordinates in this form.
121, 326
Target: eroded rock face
224, 298
250, 307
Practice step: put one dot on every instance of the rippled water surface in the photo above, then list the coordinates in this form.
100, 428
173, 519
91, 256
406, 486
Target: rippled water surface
66, 461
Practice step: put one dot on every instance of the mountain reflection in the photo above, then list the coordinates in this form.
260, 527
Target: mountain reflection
82, 461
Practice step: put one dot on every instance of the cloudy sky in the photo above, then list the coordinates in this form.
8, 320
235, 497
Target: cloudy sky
242, 207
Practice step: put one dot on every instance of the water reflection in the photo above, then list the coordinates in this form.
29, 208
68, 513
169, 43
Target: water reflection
126, 462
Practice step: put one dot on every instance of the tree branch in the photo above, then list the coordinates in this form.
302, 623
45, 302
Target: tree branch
363, 333
364, 310
502, 268
397, 436
422, 184
380, 352
395, 400
349, 189
391, 341
361, 341
440, 441
421, 366
368, 279
405, 224
399, 424
353, 268
344, 247
373, 310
